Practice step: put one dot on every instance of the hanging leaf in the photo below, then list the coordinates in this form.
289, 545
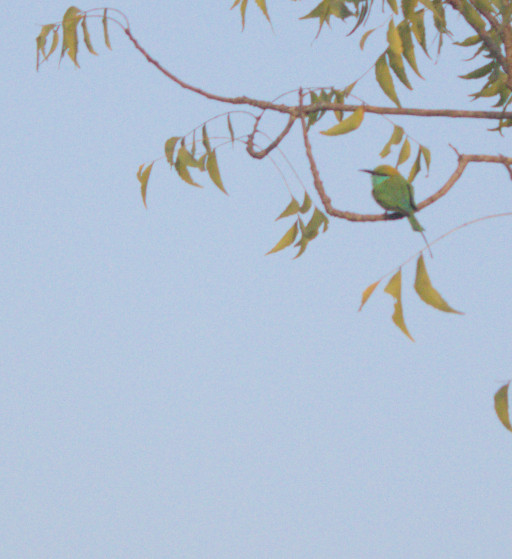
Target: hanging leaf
231, 133
243, 8
55, 43
291, 209
287, 239
69, 33
317, 220
143, 177
206, 141
41, 42
306, 204
367, 293
418, 29
416, 167
396, 138
385, 80
351, 123
170, 144
213, 170
480, 72
262, 5
427, 292
406, 37
181, 166
394, 288
426, 156
501, 406
394, 41
87, 37
405, 152
408, 7
364, 37
104, 21
393, 5
397, 65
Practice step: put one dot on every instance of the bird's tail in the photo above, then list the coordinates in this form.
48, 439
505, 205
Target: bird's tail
415, 224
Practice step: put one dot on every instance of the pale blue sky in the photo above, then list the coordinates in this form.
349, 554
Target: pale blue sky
168, 391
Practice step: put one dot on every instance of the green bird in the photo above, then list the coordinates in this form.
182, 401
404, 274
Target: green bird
395, 194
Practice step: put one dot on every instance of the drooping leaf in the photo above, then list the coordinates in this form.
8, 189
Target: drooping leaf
470, 41
291, 209
262, 5
408, 7
106, 37
385, 80
397, 65
231, 132
416, 167
143, 177
306, 204
69, 33
55, 43
418, 29
339, 97
206, 140
426, 290
394, 41
351, 123
41, 41
87, 37
501, 406
405, 35
317, 220
286, 240
396, 138
367, 293
213, 170
405, 152
471, 15
393, 5
480, 72
243, 8
426, 156
365, 37
394, 288
326, 9
181, 166
170, 144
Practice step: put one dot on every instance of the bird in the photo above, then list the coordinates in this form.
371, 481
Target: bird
395, 194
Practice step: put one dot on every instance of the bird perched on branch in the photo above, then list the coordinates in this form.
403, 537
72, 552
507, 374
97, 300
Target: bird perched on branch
395, 194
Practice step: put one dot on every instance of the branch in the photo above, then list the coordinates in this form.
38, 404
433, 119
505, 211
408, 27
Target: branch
264, 152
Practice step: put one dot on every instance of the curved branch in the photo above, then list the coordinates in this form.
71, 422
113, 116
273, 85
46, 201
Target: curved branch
264, 152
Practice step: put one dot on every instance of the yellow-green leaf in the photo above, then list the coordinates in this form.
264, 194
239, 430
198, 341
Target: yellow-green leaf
394, 288
55, 42
213, 170
405, 152
396, 138
501, 406
291, 209
416, 167
427, 292
418, 28
87, 37
317, 220
405, 35
394, 41
364, 37
41, 41
426, 156
385, 80
231, 132
397, 65
306, 204
206, 141
143, 177
408, 7
69, 33
287, 239
105, 29
181, 166
243, 8
170, 144
351, 123
393, 5
262, 5
367, 293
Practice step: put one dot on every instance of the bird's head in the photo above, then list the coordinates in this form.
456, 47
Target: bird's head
383, 171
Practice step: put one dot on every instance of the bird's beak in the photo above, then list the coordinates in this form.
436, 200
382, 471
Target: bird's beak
367, 171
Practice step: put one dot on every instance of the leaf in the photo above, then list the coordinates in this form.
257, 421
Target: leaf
181, 167
351, 123
55, 42
262, 5
479, 72
394, 288
405, 35
408, 7
471, 15
213, 170
317, 220
170, 144
104, 21
291, 209
385, 80
427, 292
426, 156
393, 5
396, 138
206, 141
470, 41
418, 29
394, 41
287, 239
326, 9
69, 33
339, 97
143, 177
364, 37
231, 132
416, 167
41, 41
367, 293
397, 65
87, 37
405, 152
243, 8
501, 406
306, 204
